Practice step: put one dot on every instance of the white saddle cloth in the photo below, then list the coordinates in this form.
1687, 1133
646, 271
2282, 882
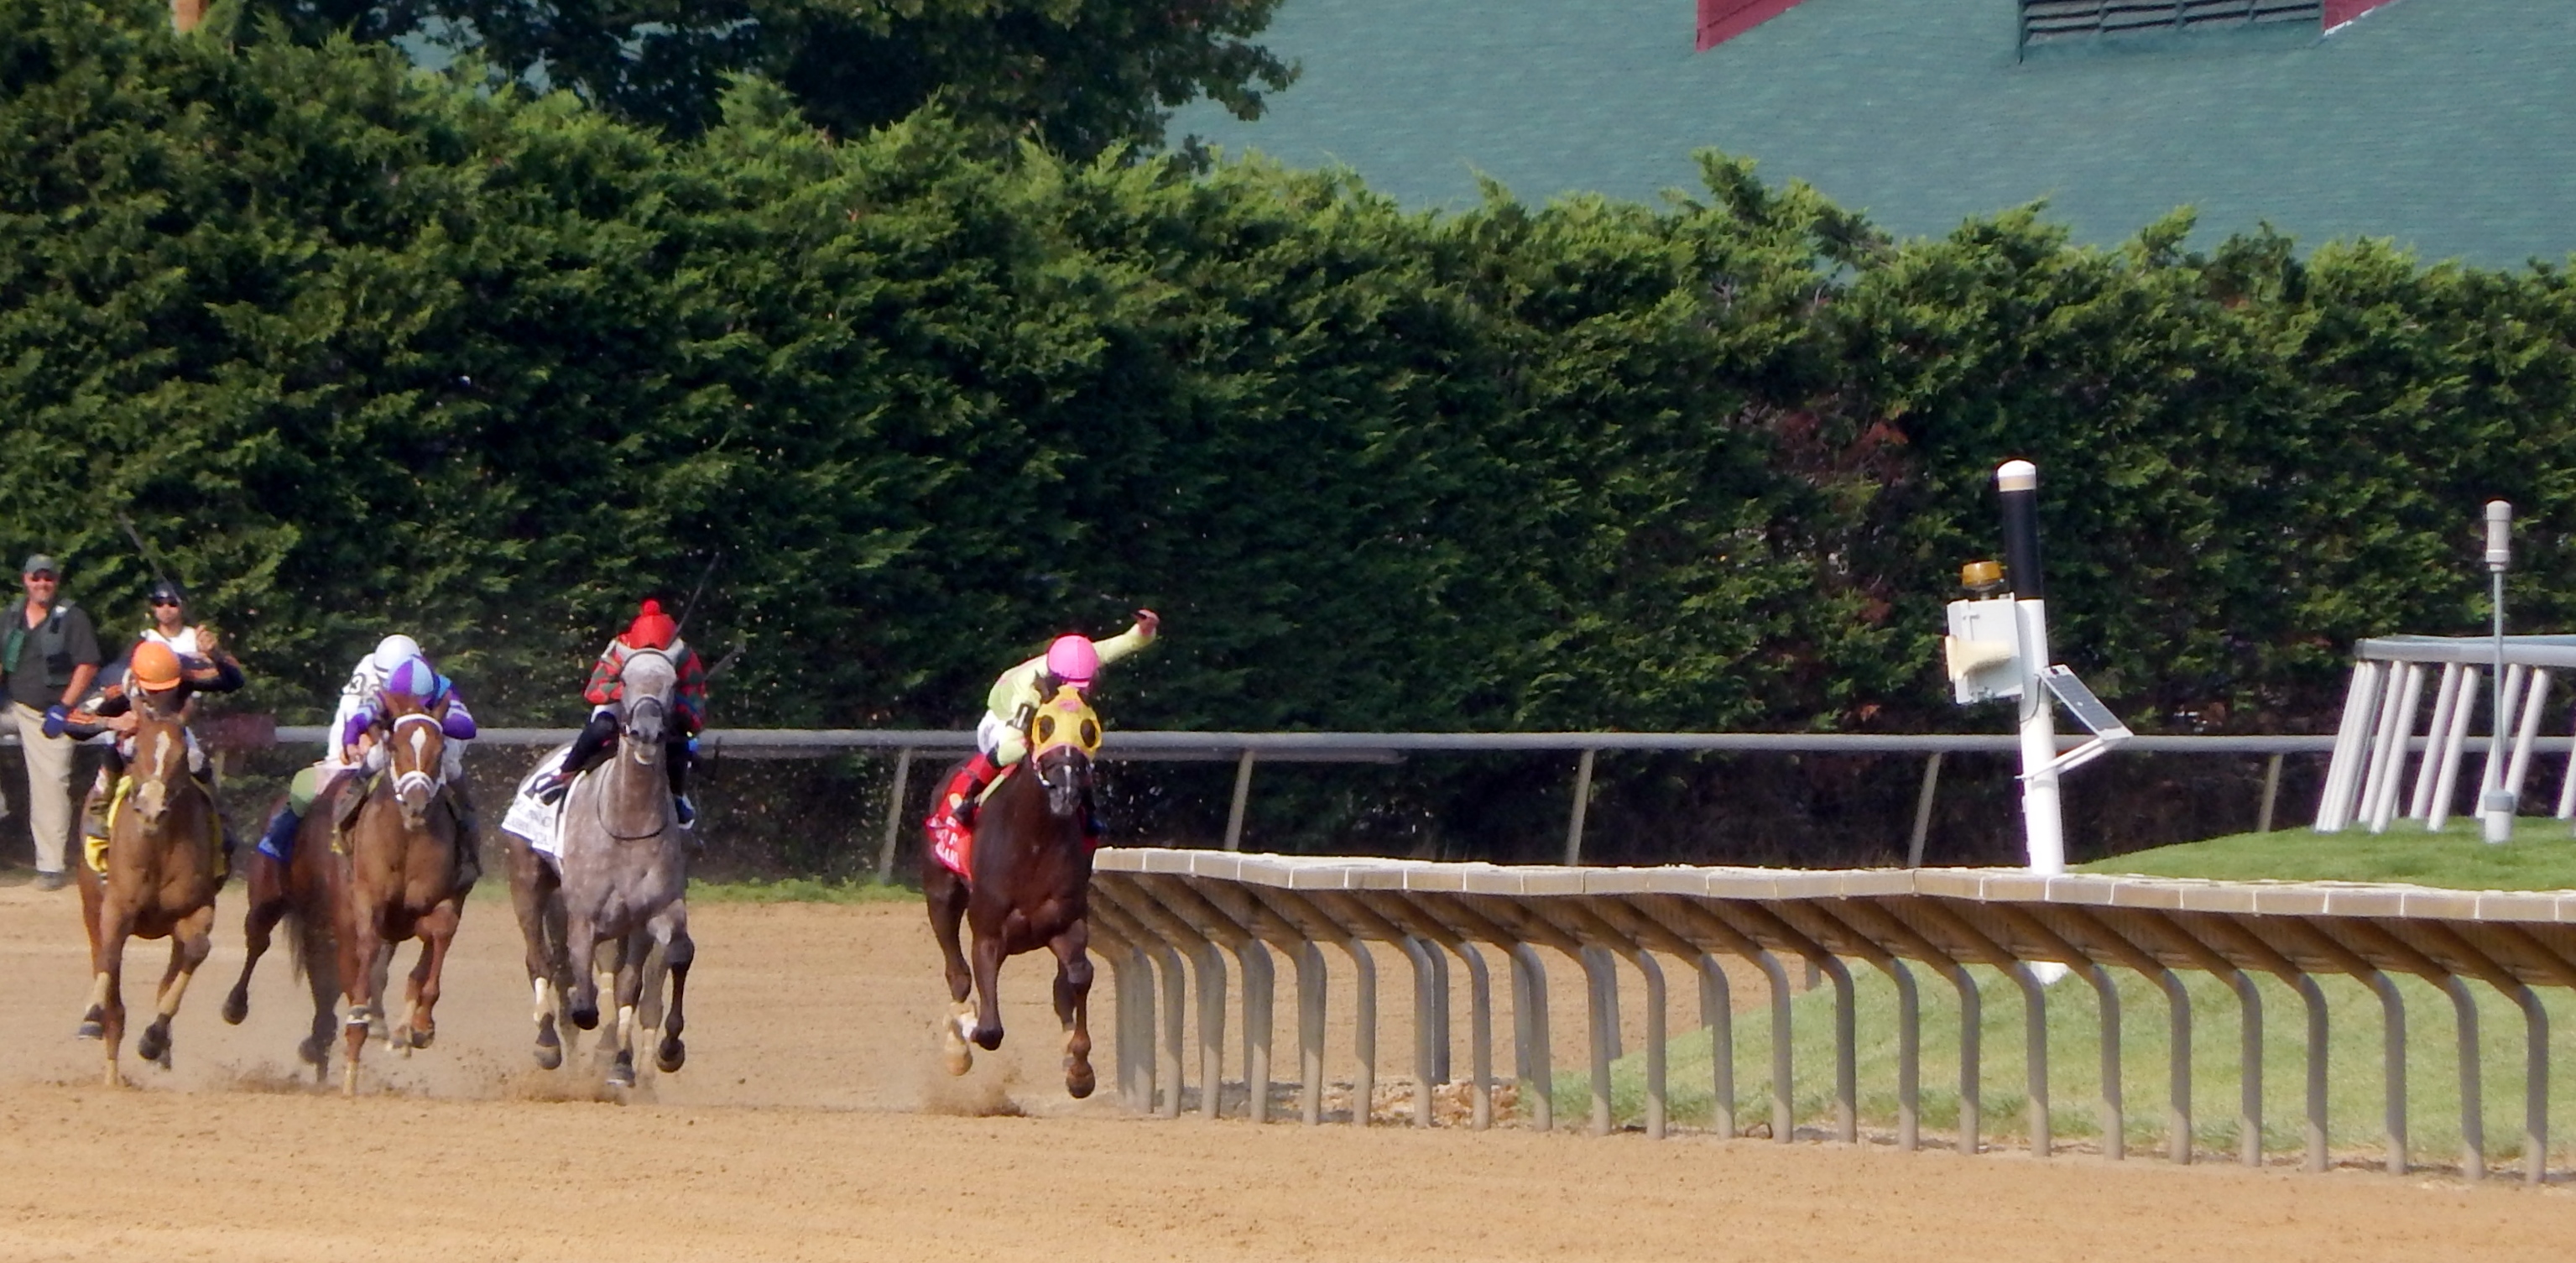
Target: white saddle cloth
541, 823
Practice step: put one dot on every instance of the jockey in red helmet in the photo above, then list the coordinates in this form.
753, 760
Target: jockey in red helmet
999, 739
652, 631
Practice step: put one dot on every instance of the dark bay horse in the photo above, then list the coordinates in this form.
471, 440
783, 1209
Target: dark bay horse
1031, 888
619, 878
163, 864
299, 891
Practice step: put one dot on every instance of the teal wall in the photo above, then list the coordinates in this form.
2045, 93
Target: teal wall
2449, 125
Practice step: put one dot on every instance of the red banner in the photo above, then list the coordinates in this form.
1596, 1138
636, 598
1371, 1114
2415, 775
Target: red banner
2338, 12
1723, 20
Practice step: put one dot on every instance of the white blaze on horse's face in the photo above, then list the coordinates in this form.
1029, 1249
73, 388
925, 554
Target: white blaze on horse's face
151, 796
418, 749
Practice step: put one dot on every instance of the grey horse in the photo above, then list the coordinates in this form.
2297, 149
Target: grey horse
619, 880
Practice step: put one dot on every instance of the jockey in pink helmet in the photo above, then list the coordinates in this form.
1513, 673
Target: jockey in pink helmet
999, 739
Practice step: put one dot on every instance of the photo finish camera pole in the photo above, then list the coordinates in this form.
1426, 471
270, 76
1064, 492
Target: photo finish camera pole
1997, 651
2043, 825
2496, 804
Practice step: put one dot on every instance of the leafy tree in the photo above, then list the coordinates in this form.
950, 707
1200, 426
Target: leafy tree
1081, 77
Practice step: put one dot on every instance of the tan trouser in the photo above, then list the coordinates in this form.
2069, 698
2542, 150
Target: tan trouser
49, 786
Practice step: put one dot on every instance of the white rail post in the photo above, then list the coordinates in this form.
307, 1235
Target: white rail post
2446, 699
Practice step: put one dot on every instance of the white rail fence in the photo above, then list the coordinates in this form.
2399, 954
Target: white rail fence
2379, 733
1162, 919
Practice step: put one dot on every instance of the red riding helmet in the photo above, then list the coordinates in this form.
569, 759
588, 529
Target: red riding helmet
652, 629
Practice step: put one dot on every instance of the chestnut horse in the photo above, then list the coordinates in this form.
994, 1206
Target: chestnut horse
1031, 888
163, 864
403, 877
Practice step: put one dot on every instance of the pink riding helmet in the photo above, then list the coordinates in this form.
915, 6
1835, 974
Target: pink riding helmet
1073, 660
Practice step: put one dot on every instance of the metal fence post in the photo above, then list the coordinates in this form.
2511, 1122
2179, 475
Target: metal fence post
1582, 802
2392, 1011
1717, 1013
2473, 1122
1260, 992
2315, 1000
2249, 1094
1923, 810
1601, 1006
2115, 1125
1530, 1053
1363, 1033
1310, 1030
1210, 961
2034, 998
1480, 1035
1426, 1061
894, 815
1242, 802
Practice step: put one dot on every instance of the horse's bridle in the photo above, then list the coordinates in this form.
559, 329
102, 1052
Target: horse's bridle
405, 782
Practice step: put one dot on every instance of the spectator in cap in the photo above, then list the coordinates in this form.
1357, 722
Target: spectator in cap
49, 655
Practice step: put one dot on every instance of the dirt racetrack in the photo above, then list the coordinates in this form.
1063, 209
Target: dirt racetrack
810, 1124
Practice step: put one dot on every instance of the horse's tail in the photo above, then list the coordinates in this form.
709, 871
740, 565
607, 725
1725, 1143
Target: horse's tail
307, 937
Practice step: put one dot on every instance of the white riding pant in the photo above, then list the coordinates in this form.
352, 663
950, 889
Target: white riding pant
999, 741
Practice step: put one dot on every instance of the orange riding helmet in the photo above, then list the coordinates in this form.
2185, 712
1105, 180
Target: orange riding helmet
153, 666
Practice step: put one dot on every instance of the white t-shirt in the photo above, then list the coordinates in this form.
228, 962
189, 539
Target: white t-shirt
184, 644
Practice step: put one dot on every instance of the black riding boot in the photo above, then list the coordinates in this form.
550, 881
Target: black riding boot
595, 737
676, 757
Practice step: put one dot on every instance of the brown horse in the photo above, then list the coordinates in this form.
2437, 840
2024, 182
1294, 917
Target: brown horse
403, 876
1031, 888
163, 865
298, 890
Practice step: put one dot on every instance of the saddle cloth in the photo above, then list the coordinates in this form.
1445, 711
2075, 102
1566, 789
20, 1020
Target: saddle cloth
951, 843
541, 823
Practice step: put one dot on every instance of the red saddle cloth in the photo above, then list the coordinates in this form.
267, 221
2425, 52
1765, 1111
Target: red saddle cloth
952, 843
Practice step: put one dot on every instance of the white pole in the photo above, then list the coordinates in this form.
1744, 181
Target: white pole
2495, 806
2043, 825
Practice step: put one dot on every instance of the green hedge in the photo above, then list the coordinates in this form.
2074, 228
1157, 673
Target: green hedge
362, 348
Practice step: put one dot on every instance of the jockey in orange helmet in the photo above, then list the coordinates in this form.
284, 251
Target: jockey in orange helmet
999, 736
652, 631
152, 670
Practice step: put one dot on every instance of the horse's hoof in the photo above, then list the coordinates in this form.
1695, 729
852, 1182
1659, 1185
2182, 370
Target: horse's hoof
586, 1019
549, 1054
311, 1053
236, 1007
671, 1055
1079, 1081
421, 1036
622, 1073
154, 1046
91, 1028
960, 1059
988, 1039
